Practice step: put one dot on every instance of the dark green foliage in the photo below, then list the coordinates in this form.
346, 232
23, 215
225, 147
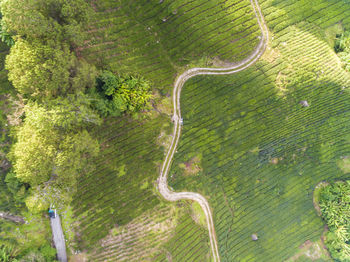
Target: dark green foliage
15, 192
342, 47
116, 95
5, 36
342, 42
335, 208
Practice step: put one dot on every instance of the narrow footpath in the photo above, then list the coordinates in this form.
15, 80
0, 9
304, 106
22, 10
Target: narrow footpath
179, 83
58, 238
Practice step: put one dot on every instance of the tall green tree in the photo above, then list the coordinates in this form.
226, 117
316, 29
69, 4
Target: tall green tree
53, 147
60, 20
117, 95
43, 71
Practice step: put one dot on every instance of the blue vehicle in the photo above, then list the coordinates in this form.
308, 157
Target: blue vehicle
52, 213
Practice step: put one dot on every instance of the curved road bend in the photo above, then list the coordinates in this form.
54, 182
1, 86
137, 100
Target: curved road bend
162, 179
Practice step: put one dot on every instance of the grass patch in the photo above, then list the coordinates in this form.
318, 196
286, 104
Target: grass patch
198, 215
311, 251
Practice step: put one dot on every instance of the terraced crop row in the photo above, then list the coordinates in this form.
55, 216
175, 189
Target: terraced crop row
155, 38
121, 217
261, 151
140, 239
189, 242
121, 188
159, 234
280, 14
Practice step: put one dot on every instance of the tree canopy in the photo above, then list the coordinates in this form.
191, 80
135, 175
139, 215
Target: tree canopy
53, 146
46, 71
117, 95
58, 20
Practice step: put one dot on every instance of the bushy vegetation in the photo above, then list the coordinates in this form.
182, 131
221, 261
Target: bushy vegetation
4, 35
335, 208
48, 118
115, 95
45, 71
46, 20
52, 148
342, 47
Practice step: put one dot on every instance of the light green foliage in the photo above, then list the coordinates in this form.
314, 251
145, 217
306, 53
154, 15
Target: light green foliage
335, 209
25, 238
58, 20
117, 95
47, 71
48, 253
5, 254
53, 145
33, 256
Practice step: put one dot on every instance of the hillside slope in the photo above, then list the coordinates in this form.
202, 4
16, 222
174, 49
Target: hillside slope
256, 150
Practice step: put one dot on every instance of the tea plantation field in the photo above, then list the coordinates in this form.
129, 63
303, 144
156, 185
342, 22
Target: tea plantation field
121, 217
119, 214
254, 150
158, 38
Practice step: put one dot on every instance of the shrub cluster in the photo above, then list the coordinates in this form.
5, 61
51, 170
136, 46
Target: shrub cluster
335, 208
115, 95
342, 47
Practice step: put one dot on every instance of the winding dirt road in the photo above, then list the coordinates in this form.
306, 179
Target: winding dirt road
162, 180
